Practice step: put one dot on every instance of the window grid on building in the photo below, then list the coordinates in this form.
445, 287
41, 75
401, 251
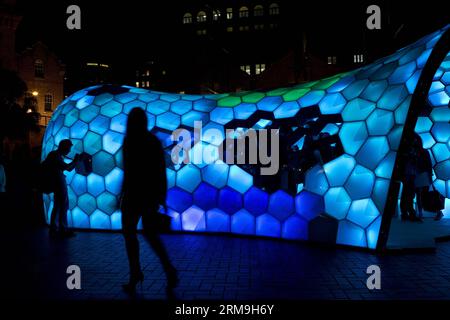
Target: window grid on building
39, 69
258, 11
274, 9
187, 18
48, 102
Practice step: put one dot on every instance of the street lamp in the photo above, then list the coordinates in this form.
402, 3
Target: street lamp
35, 93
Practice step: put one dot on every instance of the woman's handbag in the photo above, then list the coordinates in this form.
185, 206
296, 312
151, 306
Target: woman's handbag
432, 200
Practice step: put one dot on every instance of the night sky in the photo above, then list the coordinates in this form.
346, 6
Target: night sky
123, 32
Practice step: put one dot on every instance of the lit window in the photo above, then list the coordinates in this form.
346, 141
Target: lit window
331, 60
229, 29
274, 9
258, 11
201, 16
147, 73
216, 15
143, 84
48, 102
246, 68
137, 84
229, 13
243, 12
259, 68
201, 32
259, 26
187, 18
243, 28
358, 58
39, 68
147, 84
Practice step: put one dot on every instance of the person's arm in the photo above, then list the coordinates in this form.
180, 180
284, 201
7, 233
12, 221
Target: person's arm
70, 166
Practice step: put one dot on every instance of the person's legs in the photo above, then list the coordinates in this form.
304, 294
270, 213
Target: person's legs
407, 200
152, 237
129, 228
419, 192
58, 202
62, 221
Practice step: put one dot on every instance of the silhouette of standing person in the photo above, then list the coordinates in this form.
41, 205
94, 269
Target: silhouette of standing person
57, 166
144, 190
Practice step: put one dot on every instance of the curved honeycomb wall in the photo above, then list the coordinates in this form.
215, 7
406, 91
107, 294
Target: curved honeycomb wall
341, 201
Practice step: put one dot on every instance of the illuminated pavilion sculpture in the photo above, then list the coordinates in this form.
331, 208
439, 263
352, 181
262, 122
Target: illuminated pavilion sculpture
370, 112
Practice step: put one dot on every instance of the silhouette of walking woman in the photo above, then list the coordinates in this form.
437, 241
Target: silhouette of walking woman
144, 189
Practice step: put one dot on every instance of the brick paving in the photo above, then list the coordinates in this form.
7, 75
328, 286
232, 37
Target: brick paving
216, 267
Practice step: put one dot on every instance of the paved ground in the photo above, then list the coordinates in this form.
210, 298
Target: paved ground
215, 267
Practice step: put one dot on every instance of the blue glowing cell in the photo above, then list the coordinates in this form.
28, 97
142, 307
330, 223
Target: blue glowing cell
330, 128
337, 203
360, 183
445, 78
87, 203
309, 205
423, 124
125, 97
100, 124
205, 197
411, 84
281, 205
441, 152
193, 219
95, 184
71, 117
78, 95
239, 179
411, 55
118, 158
380, 191
103, 99
341, 84
84, 102
256, 201
112, 141
244, 110
158, 107
217, 221
178, 199
384, 72
332, 103
188, 178
311, 98
62, 134
363, 212
441, 131
89, 113
351, 235
113, 181
216, 174
353, 135
372, 233
355, 89
427, 140
79, 184
59, 123
205, 105
386, 167
372, 152
357, 109
102, 163
295, 228
439, 99
442, 170
423, 58
171, 176
119, 123
267, 225
78, 130
441, 114
316, 181
269, 103
230, 201
111, 109
243, 222
339, 169
175, 224
116, 221
222, 115
402, 73
286, 110
189, 118
134, 104
107, 203
380, 122
99, 220
181, 106
170, 97
392, 97
79, 218
168, 120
